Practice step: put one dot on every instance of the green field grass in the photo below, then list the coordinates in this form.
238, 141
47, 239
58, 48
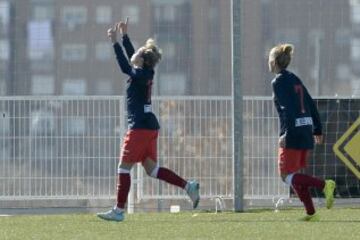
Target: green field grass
339, 224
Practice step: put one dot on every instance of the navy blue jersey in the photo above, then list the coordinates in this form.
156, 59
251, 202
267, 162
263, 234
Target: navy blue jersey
138, 89
299, 118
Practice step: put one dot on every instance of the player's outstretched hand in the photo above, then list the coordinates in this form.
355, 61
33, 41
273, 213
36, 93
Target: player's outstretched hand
111, 32
123, 26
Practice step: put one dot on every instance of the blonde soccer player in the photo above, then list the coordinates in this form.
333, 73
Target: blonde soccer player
300, 126
140, 142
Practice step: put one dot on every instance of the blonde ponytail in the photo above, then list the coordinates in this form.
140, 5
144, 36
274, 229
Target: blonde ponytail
150, 43
282, 55
151, 54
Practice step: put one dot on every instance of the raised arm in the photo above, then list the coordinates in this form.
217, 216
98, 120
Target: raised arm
120, 57
122, 60
129, 48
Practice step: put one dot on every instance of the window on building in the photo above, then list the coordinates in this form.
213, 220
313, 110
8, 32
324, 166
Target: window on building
104, 87
167, 10
169, 50
42, 66
103, 14
4, 50
355, 49
169, 13
213, 14
171, 61
42, 85
74, 87
214, 52
103, 51
74, 52
289, 35
343, 71
342, 36
172, 84
355, 10
43, 12
40, 40
73, 16
4, 16
132, 11
176, 44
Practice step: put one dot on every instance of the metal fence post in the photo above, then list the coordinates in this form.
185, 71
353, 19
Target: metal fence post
237, 106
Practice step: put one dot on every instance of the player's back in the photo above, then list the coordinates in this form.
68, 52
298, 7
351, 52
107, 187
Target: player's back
138, 98
295, 108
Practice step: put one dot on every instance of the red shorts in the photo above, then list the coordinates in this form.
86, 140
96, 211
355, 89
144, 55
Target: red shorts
292, 160
139, 144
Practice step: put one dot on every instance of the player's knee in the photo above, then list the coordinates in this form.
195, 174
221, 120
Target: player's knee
148, 171
153, 172
123, 170
287, 178
151, 167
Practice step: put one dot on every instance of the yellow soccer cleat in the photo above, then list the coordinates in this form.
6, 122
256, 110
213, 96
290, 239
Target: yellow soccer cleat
311, 218
329, 193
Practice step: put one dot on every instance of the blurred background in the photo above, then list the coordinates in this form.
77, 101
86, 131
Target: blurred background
50, 47
60, 47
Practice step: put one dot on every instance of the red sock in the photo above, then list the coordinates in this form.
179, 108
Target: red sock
305, 197
171, 177
123, 188
307, 181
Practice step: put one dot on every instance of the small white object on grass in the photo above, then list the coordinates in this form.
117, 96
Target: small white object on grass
174, 208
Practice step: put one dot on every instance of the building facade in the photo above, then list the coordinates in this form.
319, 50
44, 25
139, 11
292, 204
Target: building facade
61, 47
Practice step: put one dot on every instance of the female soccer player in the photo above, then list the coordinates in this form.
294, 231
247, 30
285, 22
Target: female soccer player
300, 125
140, 142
